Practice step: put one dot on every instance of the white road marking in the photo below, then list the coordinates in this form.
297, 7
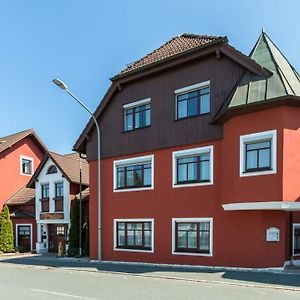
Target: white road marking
61, 294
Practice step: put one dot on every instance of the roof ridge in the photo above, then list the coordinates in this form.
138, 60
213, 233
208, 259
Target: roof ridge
19, 132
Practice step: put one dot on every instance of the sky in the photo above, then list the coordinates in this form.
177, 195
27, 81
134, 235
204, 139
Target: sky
85, 43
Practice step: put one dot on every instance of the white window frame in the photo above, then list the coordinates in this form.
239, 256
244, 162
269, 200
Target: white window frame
187, 89
294, 226
132, 105
183, 220
190, 152
133, 220
17, 234
32, 165
257, 137
133, 161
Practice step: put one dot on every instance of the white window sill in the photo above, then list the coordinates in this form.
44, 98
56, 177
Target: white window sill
192, 184
258, 173
133, 250
192, 254
134, 189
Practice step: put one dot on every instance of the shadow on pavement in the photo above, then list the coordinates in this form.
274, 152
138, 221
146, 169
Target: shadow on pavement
248, 277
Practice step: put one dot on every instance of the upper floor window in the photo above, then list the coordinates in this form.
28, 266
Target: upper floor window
52, 169
137, 114
59, 189
193, 100
258, 153
193, 167
26, 165
45, 190
134, 173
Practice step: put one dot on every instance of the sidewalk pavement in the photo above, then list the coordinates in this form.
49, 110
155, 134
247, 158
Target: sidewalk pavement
288, 279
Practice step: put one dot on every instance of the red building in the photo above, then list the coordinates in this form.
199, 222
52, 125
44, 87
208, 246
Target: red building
20, 155
200, 157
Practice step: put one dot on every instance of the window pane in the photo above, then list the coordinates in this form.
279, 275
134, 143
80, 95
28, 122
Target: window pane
121, 237
147, 117
121, 179
147, 176
205, 91
121, 225
182, 173
130, 237
251, 159
204, 104
192, 239
128, 122
147, 226
138, 177
182, 109
204, 225
147, 238
192, 171
204, 170
187, 226
130, 177
192, 107
138, 119
264, 158
204, 240
181, 240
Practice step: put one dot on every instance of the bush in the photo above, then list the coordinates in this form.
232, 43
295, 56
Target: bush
6, 231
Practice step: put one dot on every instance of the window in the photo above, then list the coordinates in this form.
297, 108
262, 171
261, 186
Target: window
52, 169
133, 174
296, 239
134, 235
193, 167
45, 190
258, 153
26, 165
192, 236
59, 189
60, 230
193, 100
137, 115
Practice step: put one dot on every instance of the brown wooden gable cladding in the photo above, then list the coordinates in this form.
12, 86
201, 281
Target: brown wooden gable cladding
165, 131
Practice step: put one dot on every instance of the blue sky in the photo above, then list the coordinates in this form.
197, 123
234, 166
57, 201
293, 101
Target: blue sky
87, 42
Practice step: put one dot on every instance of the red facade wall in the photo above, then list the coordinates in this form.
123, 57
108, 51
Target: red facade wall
239, 238
10, 178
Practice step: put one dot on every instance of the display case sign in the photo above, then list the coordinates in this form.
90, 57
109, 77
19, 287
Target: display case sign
272, 234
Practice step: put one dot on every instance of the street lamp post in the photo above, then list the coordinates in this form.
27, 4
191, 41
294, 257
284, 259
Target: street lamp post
64, 87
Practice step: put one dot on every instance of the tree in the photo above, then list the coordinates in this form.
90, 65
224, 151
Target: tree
6, 231
73, 249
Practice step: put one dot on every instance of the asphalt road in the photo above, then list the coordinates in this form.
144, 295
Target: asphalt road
19, 281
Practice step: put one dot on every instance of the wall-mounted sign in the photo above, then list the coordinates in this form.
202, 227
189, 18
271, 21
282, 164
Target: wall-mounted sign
272, 234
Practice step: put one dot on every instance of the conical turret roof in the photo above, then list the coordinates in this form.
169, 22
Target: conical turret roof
283, 79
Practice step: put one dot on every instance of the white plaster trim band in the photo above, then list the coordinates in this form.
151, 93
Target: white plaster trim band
268, 205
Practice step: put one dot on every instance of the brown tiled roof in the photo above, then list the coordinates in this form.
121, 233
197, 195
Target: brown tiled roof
173, 47
10, 140
23, 196
69, 164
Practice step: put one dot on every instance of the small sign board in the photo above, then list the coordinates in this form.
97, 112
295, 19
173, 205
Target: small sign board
272, 234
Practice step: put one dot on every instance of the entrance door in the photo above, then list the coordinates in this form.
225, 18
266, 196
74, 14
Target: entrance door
24, 238
57, 234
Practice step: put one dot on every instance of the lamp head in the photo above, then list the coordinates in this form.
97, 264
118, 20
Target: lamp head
60, 84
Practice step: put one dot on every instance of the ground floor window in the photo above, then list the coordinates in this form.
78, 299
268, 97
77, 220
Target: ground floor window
192, 236
296, 239
134, 234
